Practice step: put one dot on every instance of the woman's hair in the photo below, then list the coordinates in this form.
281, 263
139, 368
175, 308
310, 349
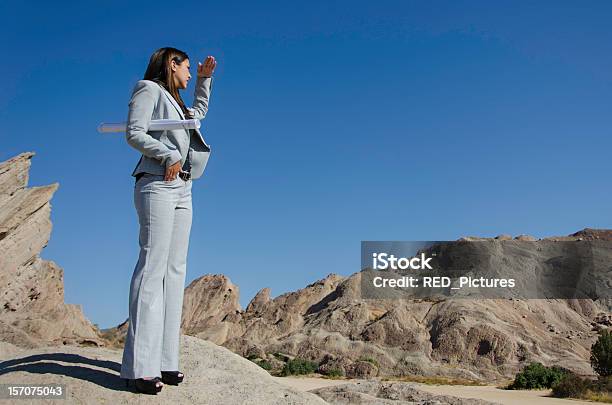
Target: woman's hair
160, 71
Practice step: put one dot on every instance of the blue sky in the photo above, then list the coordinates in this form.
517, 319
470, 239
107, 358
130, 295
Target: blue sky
330, 123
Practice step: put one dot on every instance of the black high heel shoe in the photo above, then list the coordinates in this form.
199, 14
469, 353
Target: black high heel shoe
172, 377
146, 386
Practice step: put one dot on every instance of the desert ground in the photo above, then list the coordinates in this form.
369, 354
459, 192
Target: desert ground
486, 392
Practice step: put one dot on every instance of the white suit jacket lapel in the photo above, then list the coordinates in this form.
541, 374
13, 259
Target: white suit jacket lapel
178, 109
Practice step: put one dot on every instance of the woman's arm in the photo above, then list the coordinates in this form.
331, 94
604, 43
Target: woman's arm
203, 87
141, 105
201, 97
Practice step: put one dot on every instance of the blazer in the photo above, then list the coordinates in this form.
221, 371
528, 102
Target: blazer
161, 149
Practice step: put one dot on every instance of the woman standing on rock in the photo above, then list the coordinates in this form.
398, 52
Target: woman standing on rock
170, 160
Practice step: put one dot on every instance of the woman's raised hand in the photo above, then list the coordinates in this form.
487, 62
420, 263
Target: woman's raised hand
206, 69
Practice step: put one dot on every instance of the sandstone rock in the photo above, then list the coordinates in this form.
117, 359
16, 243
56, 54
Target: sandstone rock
388, 393
209, 305
330, 363
593, 234
213, 375
525, 238
14, 174
32, 308
261, 298
471, 238
604, 319
362, 369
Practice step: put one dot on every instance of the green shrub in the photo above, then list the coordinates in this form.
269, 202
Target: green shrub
299, 366
571, 386
369, 360
538, 376
334, 372
603, 384
601, 354
280, 356
264, 364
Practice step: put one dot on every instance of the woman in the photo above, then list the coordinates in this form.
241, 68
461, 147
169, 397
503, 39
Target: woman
170, 160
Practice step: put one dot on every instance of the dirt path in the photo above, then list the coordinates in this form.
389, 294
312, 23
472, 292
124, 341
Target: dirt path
494, 394
488, 393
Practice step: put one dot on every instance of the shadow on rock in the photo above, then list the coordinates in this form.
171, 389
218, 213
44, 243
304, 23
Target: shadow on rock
44, 364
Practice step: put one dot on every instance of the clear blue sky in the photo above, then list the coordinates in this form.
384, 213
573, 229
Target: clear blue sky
330, 123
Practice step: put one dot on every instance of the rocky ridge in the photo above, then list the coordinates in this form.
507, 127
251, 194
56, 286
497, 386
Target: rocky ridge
32, 308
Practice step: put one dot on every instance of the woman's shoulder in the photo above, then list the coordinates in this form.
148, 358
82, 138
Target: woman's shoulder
148, 84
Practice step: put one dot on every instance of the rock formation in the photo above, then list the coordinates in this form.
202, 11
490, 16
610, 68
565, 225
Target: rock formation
211, 308
387, 393
213, 375
32, 308
328, 322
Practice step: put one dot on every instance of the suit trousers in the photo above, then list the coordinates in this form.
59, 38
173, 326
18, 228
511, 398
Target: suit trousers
158, 283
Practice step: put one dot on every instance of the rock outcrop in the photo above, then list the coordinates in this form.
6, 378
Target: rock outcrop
213, 375
387, 393
210, 307
32, 308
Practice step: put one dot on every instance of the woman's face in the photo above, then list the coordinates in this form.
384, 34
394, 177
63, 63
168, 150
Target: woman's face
181, 73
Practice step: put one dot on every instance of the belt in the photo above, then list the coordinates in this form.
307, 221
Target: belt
185, 175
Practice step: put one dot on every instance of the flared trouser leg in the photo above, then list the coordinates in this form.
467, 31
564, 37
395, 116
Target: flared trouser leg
174, 285
157, 284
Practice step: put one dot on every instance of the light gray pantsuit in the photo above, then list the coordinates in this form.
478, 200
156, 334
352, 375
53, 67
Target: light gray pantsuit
164, 213
157, 287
